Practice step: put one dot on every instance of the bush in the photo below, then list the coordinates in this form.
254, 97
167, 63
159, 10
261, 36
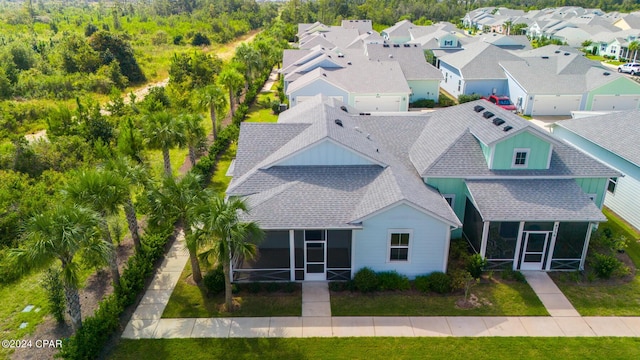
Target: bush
422, 283
445, 101
254, 287
365, 280
606, 265
475, 265
214, 281
289, 287
200, 39
52, 283
467, 98
423, 103
509, 274
272, 287
439, 282
391, 280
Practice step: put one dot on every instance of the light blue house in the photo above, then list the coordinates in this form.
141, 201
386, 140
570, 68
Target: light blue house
337, 190
612, 139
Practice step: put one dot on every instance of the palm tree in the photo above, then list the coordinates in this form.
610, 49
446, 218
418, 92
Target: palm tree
231, 79
60, 234
194, 134
634, 46
103, 192
133, 174
252, 61
229, 239
163, 132
211, 97
180, 199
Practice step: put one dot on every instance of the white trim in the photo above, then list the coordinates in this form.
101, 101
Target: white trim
518, 246
324, 262
492, 152
292, 254
552, 247
412, 205
446, 252
615, 184
408, 247
549, 157
525, 177
485, 236
353, 251
517, 151
604, 193
586, 246
544, 249
452, 197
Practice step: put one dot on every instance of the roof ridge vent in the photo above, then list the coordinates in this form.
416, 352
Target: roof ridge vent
478, 108
498, 121
338, 122
507, 128
487, 114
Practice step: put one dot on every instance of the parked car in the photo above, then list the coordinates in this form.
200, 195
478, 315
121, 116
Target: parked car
502, 101
629, 68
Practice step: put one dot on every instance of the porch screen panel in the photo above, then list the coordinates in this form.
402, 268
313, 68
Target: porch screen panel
569, 245
501, 244
273, 252
472, 227
298, 237
339, 255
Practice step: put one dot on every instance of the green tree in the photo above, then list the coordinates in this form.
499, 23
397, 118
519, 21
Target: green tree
180, 199
212, 98
103, 192
111, 47
65, 233
163, 131
634, 46
228, 239
231, 80
194, 134
252, 61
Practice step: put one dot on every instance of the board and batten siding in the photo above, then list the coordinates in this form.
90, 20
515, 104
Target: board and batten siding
621, 86
626, 199
538, 155
325, 153
456, 187
428, 244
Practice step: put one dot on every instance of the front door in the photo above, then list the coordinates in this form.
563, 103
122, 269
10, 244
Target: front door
315, 255
535, 247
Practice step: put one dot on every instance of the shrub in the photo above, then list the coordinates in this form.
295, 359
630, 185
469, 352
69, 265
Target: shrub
214, 281
272, 287
200, 39
509, 274
52, 284
606, 265
391, 280
467, 98
445, 101
475, 265
422, 283
439, 282
424, 103
254, 287
365, 280
289, 287
337, 286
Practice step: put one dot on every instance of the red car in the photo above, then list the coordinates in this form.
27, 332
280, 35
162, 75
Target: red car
502, 101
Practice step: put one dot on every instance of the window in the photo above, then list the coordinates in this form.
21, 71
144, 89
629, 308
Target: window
613, 49
451, 198
399, 241
520, 158
611, 186
459, 84
448, 43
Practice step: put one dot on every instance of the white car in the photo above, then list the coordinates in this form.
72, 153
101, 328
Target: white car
629, 68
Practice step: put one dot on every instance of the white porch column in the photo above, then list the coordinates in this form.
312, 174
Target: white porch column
292, 255
586, 246
516, 257
554, 234
485, 236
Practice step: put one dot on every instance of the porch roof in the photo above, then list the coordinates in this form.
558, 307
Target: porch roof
532, 200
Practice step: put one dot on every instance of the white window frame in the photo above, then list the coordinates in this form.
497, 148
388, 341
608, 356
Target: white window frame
452, 197
408, 247
527, 151
613, 180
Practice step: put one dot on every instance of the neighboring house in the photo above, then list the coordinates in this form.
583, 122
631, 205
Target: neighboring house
423, 78
335, 191
398, 33
363, 26
557, 81
612, 139
475, 70
628, 21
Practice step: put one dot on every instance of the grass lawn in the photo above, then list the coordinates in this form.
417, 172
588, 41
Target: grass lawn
606, 298
260, 113
505, 298
382, 348
188, 301
219, 180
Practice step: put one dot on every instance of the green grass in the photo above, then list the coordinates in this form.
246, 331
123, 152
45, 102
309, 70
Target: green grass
606, 298
260, 113
189, 301
506, 299
382, 348
219, 180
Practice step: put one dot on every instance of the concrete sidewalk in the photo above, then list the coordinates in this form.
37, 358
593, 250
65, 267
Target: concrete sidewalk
548, 292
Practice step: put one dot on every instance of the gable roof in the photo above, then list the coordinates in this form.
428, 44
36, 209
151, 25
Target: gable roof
361, 25
479, 60
401, 28
411, 59
616, 132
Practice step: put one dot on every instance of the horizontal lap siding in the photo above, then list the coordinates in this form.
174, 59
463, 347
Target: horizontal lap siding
428, 242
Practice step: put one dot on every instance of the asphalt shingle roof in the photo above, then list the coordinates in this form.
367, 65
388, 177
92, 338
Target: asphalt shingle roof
411, 59
617, 132
479, 60
532, 200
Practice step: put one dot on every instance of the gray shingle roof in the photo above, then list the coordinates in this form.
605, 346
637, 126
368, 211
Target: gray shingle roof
479, 60
411, 59
617, 132
532, 200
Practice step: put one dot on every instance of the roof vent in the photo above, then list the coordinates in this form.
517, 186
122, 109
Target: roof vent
567, 54
324, 74
396, 45
338, 122
390, 56
507, 128
478, 108
357, 129
361, 114
487, 114
343, 108
348, 62
368, 136
415, 45
407, 45
545, 57
557, 51
385, 45
606, 73
498, 121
